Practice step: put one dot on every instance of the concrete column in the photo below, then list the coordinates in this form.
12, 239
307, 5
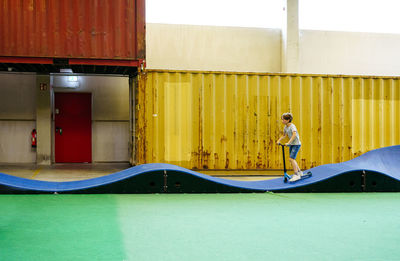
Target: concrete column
290, 37
133, 82
43, 120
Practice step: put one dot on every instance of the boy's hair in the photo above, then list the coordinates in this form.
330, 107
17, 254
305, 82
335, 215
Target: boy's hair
287, 116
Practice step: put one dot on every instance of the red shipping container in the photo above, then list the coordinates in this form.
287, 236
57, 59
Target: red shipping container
88, 29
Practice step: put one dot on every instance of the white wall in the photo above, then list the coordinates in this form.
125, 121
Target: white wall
192, 47
212, 48
324, 52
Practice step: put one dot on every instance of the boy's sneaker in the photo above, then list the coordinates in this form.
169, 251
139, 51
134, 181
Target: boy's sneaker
295, 177
300, 173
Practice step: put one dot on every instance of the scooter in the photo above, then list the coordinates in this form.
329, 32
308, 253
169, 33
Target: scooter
287, 177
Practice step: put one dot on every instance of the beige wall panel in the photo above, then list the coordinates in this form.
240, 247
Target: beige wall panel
17, 117
17, 96
110, 141
192, 47
15, 142
349, 53
217, 48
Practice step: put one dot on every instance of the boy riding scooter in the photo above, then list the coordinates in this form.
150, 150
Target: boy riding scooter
294, 144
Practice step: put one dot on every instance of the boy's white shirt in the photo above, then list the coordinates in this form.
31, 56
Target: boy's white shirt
288, 130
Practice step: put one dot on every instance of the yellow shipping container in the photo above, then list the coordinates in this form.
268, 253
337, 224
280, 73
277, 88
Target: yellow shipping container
224, 120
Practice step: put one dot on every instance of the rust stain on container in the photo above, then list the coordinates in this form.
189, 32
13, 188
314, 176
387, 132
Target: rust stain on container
231, 120
227, 160
93, 29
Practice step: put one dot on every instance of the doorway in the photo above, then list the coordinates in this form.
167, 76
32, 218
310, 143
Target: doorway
73, 127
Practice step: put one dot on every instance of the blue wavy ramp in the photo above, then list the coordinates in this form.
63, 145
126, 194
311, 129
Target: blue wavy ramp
377, 170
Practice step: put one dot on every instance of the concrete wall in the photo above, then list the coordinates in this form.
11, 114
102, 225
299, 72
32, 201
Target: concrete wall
110, 116
212, 48
17, 117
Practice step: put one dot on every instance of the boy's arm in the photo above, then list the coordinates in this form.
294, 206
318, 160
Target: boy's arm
279, 141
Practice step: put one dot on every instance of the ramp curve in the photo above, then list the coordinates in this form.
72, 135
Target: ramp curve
376, 170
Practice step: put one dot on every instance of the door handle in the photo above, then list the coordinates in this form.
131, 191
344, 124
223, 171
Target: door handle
58, 129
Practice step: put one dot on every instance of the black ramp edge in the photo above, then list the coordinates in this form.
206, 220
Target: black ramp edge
178, 182
377, 182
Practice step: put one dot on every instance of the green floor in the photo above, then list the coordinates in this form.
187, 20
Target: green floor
357, 226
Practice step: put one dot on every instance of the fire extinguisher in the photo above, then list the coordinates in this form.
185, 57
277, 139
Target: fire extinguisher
34, 138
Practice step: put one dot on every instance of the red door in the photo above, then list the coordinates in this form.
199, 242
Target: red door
73, 127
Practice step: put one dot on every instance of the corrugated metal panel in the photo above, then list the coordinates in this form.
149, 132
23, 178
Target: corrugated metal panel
216, 120
97, 29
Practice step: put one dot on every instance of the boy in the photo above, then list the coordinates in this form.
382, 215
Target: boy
294, 144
